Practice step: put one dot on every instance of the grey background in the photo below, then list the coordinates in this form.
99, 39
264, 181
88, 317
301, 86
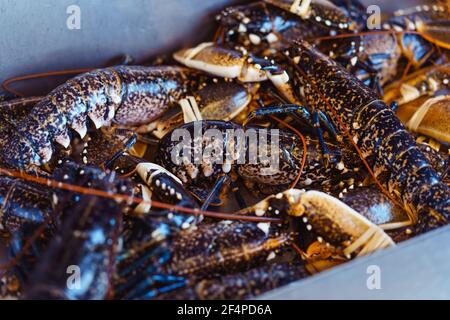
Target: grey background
416, 269
34, 38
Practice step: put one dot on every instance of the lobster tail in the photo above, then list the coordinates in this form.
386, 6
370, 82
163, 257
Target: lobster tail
95, 94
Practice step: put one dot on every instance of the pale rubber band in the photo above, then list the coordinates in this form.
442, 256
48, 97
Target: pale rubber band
146, 205
395, 225
281, 82
360, 241
148, 166
301, 7
408, 93
375, 243
191, 53
195, 108
374, 238
188, 113
417, 118
191, 111
387, 243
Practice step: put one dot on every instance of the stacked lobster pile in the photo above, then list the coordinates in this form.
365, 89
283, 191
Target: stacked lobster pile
99, 201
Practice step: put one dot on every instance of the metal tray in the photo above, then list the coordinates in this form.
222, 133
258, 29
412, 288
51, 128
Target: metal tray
35, 38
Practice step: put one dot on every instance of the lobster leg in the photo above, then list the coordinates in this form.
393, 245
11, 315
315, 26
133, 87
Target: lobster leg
237, 195
127, 145
325, 151
215, 191
163, 283
329, 126
302, 113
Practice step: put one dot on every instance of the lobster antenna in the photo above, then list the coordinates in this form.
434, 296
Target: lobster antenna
365, 33
90, 191
423, 34
11, 263
130, 199
6, 84
302, 137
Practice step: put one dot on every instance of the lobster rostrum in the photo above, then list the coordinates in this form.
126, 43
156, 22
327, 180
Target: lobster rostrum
373, 129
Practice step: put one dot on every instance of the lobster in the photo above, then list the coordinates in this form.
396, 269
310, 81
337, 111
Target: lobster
227, 248
30, 242
125, 95
246, 152
386, 147
91, 230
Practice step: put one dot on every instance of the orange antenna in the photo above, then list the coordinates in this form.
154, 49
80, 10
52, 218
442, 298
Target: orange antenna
219, 35
130, 199
11, 263
405, 73
6, 84
305, 149
365, 33
95, 192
